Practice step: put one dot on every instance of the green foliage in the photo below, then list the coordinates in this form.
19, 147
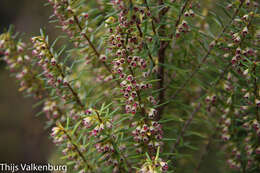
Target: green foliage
145, 85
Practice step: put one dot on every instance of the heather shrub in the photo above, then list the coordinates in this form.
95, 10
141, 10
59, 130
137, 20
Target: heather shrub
146, 86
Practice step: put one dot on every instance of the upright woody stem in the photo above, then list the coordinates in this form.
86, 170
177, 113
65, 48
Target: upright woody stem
161, 60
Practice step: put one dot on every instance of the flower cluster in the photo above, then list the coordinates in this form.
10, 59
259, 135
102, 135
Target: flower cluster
150, 134
154, 166
183, 26
69, 19
95, 122
51, 109
55, 73
72, 151
124, 56
243, 153
19, 62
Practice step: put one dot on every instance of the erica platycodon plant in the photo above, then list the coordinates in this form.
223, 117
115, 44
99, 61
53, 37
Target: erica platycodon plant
147, 86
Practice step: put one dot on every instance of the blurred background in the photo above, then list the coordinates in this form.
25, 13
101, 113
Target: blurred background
22, 137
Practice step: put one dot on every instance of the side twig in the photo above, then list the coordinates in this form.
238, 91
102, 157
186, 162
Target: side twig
182, 87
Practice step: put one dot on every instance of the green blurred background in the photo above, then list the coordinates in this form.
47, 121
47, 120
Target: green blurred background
22, 138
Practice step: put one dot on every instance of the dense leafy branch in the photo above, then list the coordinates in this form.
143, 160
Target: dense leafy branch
137, 90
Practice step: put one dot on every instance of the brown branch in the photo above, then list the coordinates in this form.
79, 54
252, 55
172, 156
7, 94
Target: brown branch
93, 47
207, 147
74, 93
161, 55
86, 37
161, 60
77, 149
187, 123
160, 75
141, 34
70, 88
112, 140
139, 29
179, 17
177, 22
99, 118
206, 151
149, 53
153, 18
185, 126
182, 12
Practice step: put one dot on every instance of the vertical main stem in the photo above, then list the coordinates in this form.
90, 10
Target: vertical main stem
161, 60
160, 75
